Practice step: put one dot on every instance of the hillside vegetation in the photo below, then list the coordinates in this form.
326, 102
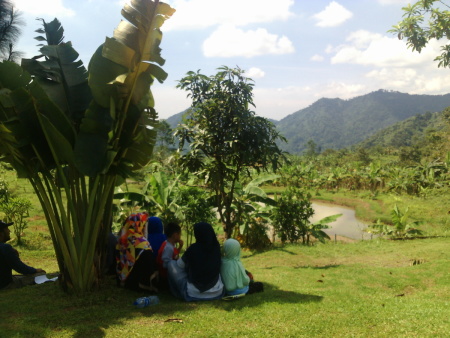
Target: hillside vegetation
337, 123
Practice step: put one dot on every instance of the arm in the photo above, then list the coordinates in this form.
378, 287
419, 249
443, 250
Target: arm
13, 260
166, 256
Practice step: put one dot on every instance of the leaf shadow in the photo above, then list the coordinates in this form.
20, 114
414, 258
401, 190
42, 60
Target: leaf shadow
28, 311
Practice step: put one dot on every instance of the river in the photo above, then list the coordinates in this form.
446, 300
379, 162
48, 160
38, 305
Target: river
347, 225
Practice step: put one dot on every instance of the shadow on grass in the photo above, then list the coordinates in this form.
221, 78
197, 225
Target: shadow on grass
44, 310
271, 249
271, 294
317, 267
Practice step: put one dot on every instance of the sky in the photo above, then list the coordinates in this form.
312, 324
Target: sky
296, 51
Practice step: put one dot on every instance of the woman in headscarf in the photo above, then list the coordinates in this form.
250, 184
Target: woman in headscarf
155, 234
136, 268
232, 271
196, 275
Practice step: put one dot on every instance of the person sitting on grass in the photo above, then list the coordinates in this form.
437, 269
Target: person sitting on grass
155, 234
169, 250
236, 279
136, 266
196, 275
9, 260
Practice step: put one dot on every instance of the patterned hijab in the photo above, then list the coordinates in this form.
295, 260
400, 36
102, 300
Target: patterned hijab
232, 271
131, 243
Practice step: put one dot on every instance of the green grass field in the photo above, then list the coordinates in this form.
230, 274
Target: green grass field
358, 289
348, 289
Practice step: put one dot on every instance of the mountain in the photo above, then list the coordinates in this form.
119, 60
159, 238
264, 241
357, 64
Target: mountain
336, 123
410, 132
174, 120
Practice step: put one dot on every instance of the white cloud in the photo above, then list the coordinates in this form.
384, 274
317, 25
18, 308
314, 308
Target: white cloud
365, 48
169, 100
428, 81
280, 102
394, 2
48, 8
200, 14
255, 73
333, 15
317, 58
229, 41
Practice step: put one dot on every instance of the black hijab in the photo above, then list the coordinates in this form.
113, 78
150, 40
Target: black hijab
203, 258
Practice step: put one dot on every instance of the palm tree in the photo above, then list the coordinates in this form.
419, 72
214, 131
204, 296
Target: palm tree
10, 30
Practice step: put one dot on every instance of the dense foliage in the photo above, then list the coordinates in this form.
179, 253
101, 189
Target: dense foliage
74, 140
226, 140
424, 21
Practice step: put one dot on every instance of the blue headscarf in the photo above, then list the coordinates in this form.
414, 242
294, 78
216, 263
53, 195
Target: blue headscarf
155, 234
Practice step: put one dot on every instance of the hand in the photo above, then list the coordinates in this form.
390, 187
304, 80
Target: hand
180, 244
40, 271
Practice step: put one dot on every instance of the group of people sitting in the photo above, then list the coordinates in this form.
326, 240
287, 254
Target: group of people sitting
148, 259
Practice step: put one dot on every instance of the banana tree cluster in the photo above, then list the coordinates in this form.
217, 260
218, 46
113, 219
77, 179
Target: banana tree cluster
77, 133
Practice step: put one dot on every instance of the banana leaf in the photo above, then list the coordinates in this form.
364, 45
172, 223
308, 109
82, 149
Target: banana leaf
63, 78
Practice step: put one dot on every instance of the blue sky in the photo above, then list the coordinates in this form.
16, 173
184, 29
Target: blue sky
296, 51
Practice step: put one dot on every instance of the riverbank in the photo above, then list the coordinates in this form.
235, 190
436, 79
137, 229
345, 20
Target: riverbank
433, 211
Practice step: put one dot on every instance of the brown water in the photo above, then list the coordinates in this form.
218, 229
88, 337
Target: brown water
347, 225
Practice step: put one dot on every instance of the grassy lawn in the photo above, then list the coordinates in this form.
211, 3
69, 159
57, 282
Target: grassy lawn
348, 289
360, 289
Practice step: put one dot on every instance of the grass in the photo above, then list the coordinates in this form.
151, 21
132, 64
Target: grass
348, 289
366, 288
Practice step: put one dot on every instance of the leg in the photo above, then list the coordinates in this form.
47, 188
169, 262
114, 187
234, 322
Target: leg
177, 280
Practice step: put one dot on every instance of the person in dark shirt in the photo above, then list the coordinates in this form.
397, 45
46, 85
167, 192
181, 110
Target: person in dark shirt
9, 260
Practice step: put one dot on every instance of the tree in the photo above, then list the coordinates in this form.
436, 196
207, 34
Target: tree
10, 30
418, 31
74, 140
291, 215
226, 138
165, 134
312, 150
16, 209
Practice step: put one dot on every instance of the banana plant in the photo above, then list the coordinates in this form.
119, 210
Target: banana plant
77, 133
316, 229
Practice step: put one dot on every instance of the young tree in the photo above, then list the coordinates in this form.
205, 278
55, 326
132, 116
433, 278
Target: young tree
226, 139
76, 140
423, 21
10, 30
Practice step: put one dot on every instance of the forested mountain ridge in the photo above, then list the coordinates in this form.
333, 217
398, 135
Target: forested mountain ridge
410, 132
336, 123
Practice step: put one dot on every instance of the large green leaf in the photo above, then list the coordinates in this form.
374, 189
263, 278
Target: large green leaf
63, 78
133, 48
91, 147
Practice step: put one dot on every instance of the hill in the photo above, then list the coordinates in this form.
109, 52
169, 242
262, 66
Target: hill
336, 123
409, 132
174, 120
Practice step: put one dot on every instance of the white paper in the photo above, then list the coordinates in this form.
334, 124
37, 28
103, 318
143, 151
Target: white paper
43, 278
